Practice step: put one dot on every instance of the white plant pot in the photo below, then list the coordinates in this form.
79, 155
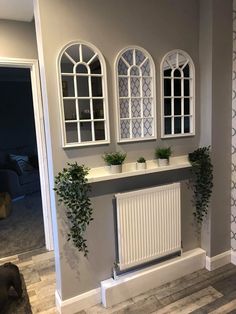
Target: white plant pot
163, 162
140, 165
115, 168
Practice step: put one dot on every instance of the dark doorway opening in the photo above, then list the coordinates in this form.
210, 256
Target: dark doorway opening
21, 216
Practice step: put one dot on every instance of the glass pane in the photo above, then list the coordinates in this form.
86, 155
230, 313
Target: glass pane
66, 65
128, 56
177, 106
147, 107
73, 52
172, 59
87, 53
71, 133
147, 92
124, 108
125, 128
96, 86
82, 86
186, 124
69, 109
167, 106
186, 71
177, 73
167, 72
167, 126
98, 112
134, 71
177, 87
139, 56
136, 127
182, 59
135, 107
135, 86
99, 130
186, 106
95, 66
167, 87
122, 68
146, 68
84, 109
147, 127
85, 131
177, 125
186, 88
68, 86
81, 68
123, 86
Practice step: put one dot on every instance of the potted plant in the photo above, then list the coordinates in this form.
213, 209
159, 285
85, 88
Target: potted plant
115, 161
163, 154
141, 163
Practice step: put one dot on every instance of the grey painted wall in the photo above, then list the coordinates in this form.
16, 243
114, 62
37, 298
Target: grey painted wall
215, 45
108, 25
205, 81
221, 125
81, 275
158, 27
17, 40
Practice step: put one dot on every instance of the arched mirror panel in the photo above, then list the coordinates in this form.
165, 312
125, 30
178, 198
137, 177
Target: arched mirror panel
83, 91
136, 103
178, 94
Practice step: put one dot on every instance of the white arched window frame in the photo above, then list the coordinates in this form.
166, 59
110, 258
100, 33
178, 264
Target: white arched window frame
135, 94
177, 95
83, 95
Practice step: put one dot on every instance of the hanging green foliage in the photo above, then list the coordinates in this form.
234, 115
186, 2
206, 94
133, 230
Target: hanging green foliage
202, 181
72, 188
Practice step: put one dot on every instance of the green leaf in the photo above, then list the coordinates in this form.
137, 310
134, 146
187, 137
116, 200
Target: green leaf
72, 188
201, 182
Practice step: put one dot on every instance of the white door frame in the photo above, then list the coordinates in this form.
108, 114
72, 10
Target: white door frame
32, 64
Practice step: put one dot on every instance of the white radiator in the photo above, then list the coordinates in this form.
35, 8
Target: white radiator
148, 224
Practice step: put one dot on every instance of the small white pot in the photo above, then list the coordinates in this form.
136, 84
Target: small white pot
163, 162
115, 168
140, 165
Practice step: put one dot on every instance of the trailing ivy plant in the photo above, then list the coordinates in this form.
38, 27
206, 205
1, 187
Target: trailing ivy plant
72, 188
202, 181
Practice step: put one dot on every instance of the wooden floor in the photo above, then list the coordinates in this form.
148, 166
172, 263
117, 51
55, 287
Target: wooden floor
38, 270
201, 292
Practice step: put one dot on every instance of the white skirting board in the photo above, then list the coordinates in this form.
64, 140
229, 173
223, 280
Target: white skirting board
78, 303
219, 260
135, 283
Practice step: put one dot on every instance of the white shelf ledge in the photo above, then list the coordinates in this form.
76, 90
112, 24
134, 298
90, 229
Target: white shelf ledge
129, 169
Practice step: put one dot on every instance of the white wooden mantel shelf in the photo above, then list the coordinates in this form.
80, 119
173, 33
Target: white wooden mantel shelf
129, 169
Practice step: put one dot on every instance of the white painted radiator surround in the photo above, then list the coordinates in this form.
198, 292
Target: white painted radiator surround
134, 283
174, 269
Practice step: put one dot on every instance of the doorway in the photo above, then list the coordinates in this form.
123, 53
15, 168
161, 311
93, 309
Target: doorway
31, 67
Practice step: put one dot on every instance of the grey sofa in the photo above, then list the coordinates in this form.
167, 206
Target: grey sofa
16, 183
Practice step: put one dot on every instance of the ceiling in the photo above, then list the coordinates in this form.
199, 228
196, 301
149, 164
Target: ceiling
17, 10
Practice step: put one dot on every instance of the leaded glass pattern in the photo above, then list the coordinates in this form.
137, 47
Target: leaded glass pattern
178, 80
135, 95
83, 96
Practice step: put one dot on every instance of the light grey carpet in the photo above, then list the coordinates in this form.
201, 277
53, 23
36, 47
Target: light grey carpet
23, 230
